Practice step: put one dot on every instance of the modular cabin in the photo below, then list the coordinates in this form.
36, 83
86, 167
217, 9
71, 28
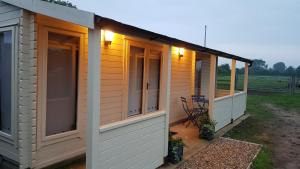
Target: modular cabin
73, 83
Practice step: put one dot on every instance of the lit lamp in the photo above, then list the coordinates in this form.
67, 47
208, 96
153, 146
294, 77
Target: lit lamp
181, 52
108, 37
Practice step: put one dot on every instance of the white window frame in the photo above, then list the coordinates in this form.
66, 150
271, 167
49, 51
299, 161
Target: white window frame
44, 140
147, 47
11, 138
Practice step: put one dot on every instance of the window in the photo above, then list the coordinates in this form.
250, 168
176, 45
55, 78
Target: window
144, 80
136, 76
223, 77
153, 85
61, 85
239, 76
6, 80
198, 67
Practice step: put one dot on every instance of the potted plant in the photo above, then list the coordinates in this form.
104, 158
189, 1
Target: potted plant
208, 130
175, 151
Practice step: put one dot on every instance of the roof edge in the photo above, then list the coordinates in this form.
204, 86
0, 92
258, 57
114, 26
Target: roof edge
113, 25
64, 13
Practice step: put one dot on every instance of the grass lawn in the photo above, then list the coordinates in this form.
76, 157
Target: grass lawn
252, 129
257, 82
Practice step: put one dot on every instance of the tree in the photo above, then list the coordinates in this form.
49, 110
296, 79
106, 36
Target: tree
279, 67
298, 70
290, 71
61, 2
259, 66
224, 69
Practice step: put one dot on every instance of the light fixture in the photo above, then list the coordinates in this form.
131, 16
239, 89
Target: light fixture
181, 52
108, 37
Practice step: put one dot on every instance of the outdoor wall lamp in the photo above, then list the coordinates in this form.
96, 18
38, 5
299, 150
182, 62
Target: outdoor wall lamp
181, 52
108, 37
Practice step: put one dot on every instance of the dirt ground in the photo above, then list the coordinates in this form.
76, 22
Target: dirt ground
284, 134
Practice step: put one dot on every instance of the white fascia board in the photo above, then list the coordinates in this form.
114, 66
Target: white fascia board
68, 14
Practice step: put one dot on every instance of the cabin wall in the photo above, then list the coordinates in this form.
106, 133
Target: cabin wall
47, 152
182, 83
27, 87
112, 77
239, 105
133, 143
11, 16
229, 108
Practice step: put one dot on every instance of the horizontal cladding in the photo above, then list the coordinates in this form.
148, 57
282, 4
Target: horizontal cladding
136, 145
239, 105
181, 82
222, 112
112, 75
10, 15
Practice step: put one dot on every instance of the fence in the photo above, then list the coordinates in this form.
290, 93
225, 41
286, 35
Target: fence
263, 84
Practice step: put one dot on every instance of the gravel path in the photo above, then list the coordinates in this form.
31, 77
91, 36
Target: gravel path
223, 153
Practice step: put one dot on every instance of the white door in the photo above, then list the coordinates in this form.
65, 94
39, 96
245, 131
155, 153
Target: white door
144, 68
153, 85
136, 80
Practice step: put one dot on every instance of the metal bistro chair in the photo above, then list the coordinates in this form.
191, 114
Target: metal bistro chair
201, 102
191, 115
200, 105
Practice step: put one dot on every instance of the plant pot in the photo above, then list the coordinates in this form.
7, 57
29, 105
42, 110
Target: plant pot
207, 134
175, 154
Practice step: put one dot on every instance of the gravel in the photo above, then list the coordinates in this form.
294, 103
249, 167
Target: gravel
223, 153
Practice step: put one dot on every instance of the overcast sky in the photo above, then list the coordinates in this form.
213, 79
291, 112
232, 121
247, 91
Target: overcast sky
256, 29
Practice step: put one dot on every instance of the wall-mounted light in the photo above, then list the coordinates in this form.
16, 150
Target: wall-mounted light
181, 52
108, 37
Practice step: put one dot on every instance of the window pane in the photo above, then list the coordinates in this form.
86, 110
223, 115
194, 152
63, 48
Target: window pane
136, 75
239, 76
5, 81
154, 81
223, 78
61, 84
198, 64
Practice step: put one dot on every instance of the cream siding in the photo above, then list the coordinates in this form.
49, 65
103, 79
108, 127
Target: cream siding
10, 16
222, 111
182, 83
27, 88
134, 143
239, 105
112, 77
229, 108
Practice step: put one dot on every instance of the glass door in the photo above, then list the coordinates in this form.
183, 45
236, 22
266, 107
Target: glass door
136, 80
153, 85
144, 68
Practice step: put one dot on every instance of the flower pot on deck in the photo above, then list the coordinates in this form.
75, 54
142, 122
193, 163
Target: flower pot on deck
175, 153
207, 134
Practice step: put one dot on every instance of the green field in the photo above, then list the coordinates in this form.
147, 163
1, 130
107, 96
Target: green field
257, 83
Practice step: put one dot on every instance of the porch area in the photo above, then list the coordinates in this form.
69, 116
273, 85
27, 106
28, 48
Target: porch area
190, 136
128, 93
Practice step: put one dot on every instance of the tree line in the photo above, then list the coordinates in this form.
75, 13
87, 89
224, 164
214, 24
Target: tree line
260, 67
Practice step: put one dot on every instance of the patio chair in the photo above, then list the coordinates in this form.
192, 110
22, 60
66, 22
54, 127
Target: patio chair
192, 115
201, 102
